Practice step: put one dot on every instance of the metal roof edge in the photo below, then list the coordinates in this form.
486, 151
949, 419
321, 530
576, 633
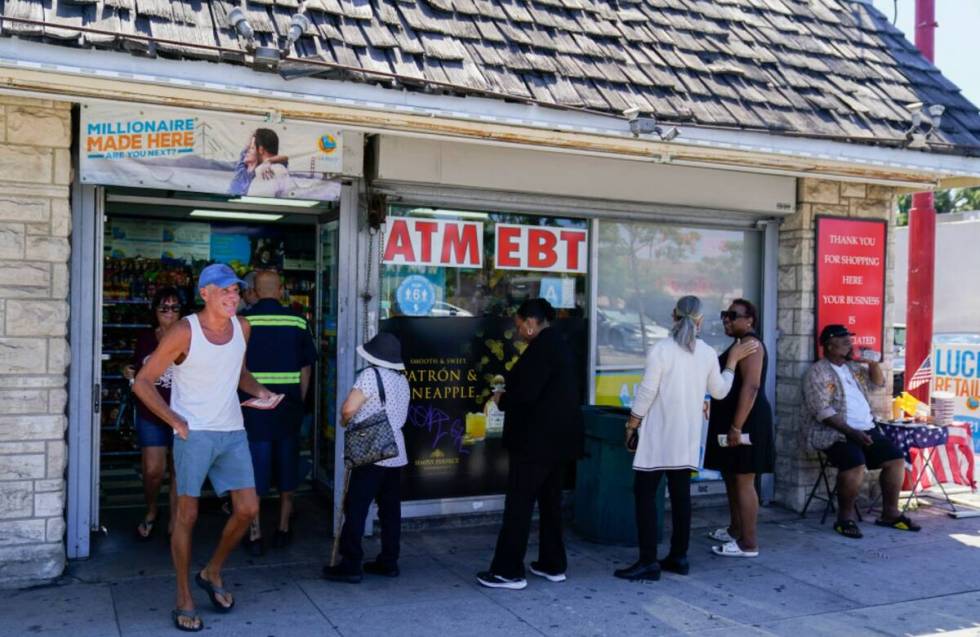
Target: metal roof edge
242, 81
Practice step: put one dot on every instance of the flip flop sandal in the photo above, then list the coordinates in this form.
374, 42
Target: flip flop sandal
177, 613
732, 549
902, 523
213, 592
849, 529
144, 530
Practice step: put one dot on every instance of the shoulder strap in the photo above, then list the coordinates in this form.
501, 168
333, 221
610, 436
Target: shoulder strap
381, 385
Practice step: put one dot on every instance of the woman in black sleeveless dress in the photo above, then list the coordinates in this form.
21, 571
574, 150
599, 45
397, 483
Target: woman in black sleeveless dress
744, 411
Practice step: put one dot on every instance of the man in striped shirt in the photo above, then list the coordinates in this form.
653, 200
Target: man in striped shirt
280, 355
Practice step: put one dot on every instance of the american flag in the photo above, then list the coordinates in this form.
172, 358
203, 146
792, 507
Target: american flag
922, 376
952, 462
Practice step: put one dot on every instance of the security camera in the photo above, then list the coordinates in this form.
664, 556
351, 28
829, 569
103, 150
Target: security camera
670, 133
631, 113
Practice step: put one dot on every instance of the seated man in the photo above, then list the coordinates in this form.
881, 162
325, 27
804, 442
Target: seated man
835, 394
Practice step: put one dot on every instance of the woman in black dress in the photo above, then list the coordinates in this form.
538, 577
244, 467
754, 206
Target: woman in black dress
745, 411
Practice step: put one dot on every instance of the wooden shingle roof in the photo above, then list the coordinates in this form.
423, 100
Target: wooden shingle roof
816, 68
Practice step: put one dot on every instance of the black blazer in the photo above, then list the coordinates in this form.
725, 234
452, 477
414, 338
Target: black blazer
542, 406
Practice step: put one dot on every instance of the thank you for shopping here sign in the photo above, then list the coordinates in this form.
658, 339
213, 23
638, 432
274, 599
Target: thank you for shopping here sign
850, 272
956, 369
208, 152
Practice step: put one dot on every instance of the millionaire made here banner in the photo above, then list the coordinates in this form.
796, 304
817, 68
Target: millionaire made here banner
207, 152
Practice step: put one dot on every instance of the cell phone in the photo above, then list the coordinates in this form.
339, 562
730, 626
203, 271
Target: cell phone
634, 441
723, 439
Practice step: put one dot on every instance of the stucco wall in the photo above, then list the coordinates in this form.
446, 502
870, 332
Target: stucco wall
35, 222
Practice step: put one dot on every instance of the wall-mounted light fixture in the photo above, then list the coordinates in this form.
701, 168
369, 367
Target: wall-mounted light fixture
240, 22
298, 25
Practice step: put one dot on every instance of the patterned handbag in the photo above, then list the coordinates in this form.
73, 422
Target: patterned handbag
371, 439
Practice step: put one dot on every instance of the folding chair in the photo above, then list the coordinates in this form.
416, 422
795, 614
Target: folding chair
831, 493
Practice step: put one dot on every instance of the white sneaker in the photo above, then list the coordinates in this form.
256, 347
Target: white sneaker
732, 549
491, 580
721, 535
551, 577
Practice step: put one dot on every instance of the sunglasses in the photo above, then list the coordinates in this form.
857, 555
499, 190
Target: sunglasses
165, 308
731, 315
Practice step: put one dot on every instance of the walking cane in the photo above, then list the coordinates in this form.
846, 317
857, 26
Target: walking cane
338, 527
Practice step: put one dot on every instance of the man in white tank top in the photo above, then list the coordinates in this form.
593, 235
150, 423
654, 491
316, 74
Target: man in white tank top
207, 351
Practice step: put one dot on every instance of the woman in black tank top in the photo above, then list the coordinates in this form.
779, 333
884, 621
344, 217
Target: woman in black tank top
745, 411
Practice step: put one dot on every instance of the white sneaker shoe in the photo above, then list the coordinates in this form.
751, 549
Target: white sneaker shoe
721, 535
551, 577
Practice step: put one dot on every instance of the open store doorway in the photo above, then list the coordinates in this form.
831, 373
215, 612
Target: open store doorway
155, 239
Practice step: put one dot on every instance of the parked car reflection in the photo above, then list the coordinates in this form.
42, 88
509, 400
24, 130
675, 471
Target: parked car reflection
627, 331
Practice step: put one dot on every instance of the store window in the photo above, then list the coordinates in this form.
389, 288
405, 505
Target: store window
643, 268
451, 281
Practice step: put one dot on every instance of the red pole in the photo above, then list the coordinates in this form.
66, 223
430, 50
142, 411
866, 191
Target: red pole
922, 237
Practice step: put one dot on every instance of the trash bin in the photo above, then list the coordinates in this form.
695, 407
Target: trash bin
604, 506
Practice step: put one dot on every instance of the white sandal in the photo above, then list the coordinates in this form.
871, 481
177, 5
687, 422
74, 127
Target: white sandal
732, 549
721, 535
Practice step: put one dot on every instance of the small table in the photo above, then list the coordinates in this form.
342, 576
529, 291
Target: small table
928, 438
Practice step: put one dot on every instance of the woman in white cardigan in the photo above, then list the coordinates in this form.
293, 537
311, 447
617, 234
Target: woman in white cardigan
667, 416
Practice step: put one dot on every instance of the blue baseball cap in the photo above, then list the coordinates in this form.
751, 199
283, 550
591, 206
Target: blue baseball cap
219, 274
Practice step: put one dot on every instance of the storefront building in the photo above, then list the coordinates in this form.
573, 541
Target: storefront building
429, 213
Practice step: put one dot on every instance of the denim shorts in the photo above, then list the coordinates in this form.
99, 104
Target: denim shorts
222, 456
152, 434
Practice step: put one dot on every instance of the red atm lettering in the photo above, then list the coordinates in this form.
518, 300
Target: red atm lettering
426, 229
463, 248
508, 247
399, 243
541, 248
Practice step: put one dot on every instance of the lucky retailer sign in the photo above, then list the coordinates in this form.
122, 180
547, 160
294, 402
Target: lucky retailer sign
850, 278
956, 369
459, 244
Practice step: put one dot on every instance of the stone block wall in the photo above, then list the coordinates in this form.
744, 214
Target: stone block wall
796, 464
35, 223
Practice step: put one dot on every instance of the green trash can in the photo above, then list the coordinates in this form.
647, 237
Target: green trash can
605, 511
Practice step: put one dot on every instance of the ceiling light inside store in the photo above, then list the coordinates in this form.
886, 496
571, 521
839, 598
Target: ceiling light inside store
240, 216
265, 201
456, 214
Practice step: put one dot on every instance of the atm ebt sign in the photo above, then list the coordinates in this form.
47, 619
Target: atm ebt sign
433, 242
541, 249
459, 244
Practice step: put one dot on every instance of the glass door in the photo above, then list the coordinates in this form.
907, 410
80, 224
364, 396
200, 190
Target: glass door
325, 334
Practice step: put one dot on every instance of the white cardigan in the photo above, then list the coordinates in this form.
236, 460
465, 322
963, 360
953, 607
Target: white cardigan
670, 400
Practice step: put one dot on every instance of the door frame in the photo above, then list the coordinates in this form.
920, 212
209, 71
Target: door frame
88, 204
84, 375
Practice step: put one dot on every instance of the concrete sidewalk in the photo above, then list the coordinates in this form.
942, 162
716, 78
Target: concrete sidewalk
808, 581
